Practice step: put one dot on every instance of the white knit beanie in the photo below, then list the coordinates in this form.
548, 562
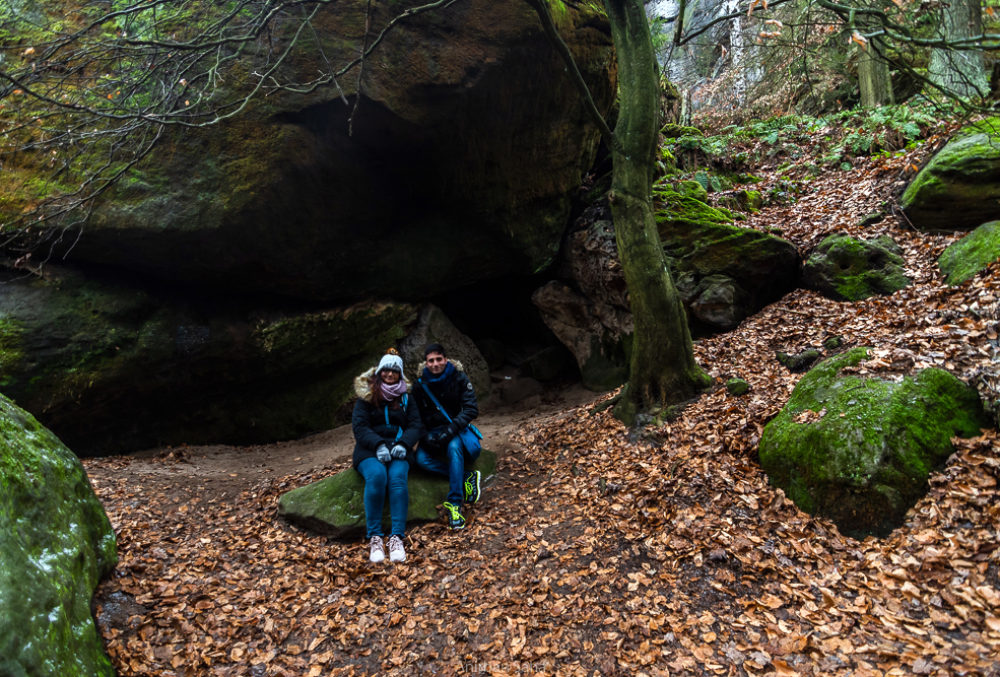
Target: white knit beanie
392, 361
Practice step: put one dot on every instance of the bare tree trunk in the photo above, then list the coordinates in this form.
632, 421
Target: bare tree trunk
960, 72
873, 77
662, 367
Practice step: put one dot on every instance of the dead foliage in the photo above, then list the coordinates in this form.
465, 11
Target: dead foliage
600, 551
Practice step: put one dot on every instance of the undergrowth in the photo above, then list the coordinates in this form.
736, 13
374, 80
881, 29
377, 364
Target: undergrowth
829, 141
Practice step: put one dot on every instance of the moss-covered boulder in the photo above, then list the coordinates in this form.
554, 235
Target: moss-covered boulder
849, 269
724, 273
964, 259
459, 164
112, 368
959, 188
56, 543
859, 450
335, 505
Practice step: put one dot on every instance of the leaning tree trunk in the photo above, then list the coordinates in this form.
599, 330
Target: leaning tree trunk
662, 368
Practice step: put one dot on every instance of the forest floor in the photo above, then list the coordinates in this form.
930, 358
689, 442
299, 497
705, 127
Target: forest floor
596, 550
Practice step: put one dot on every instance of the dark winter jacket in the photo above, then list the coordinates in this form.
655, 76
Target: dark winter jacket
455, 393
371, 430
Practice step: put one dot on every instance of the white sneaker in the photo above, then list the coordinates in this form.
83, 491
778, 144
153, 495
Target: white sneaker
378, 552
397, 553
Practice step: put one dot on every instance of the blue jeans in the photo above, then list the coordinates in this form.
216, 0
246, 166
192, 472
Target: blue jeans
452, 467
378, 478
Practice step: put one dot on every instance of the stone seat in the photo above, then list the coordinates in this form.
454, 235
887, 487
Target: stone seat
335, 505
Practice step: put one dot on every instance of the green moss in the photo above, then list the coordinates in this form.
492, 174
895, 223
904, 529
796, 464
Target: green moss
55, 544
859, 450
675, 131
675, 211
737, 387
966, 258
958, 189
850, 269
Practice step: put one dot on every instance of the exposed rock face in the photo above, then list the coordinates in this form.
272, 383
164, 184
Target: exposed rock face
245, 255
111, 368
592, 319
723, 273
848, 269
459, 166
964, 259
433, 326
335, 505
55, 544
959, 188
859, 450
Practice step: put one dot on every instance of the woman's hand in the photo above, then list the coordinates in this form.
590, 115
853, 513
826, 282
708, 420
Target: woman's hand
382, 454
398, 451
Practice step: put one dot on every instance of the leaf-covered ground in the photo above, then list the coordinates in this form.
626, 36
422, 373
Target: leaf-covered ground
597, 551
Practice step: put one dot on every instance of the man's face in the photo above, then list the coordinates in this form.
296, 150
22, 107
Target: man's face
436, 363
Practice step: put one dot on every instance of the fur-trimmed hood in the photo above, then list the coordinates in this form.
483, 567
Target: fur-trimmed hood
361, 381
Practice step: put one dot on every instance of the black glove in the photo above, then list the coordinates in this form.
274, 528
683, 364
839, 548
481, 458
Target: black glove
382, 454
398, 451
437, 438
451, 430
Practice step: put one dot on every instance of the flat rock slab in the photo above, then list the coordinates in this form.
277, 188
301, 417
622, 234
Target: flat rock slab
335, 506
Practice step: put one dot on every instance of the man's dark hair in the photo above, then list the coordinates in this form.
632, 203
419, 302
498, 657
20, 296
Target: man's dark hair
434, 348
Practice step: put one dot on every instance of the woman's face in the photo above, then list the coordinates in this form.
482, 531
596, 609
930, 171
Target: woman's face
390, 377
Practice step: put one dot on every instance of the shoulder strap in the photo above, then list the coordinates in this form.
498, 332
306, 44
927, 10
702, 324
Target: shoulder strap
433, 399
399, 429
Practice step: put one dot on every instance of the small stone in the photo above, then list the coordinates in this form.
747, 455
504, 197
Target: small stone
737, 387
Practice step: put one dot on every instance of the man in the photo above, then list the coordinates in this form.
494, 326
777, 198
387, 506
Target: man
441, 450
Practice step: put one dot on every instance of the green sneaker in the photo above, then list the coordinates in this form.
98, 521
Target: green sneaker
472, 491
455, 519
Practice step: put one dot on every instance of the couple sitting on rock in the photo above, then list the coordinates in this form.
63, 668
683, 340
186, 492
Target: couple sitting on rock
394, 428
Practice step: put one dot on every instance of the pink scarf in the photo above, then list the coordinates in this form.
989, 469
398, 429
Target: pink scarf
391, 392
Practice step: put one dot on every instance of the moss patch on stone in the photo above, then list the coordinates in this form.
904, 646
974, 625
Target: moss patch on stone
55, 544
859, 450
850, 269
966, 258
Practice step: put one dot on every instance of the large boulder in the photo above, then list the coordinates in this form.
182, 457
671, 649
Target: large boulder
859, 450
433, 326
56, 543
335, 505
964, 259
960, 187
848, 269
723, 273
459, 165
112, 368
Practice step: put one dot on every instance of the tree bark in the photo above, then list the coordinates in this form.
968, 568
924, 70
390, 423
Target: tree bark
662, 367
960, 72
873, 77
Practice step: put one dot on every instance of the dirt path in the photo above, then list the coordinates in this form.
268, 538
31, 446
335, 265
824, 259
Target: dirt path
220, 468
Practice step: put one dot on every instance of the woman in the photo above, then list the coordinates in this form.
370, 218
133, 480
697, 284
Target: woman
386, 427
